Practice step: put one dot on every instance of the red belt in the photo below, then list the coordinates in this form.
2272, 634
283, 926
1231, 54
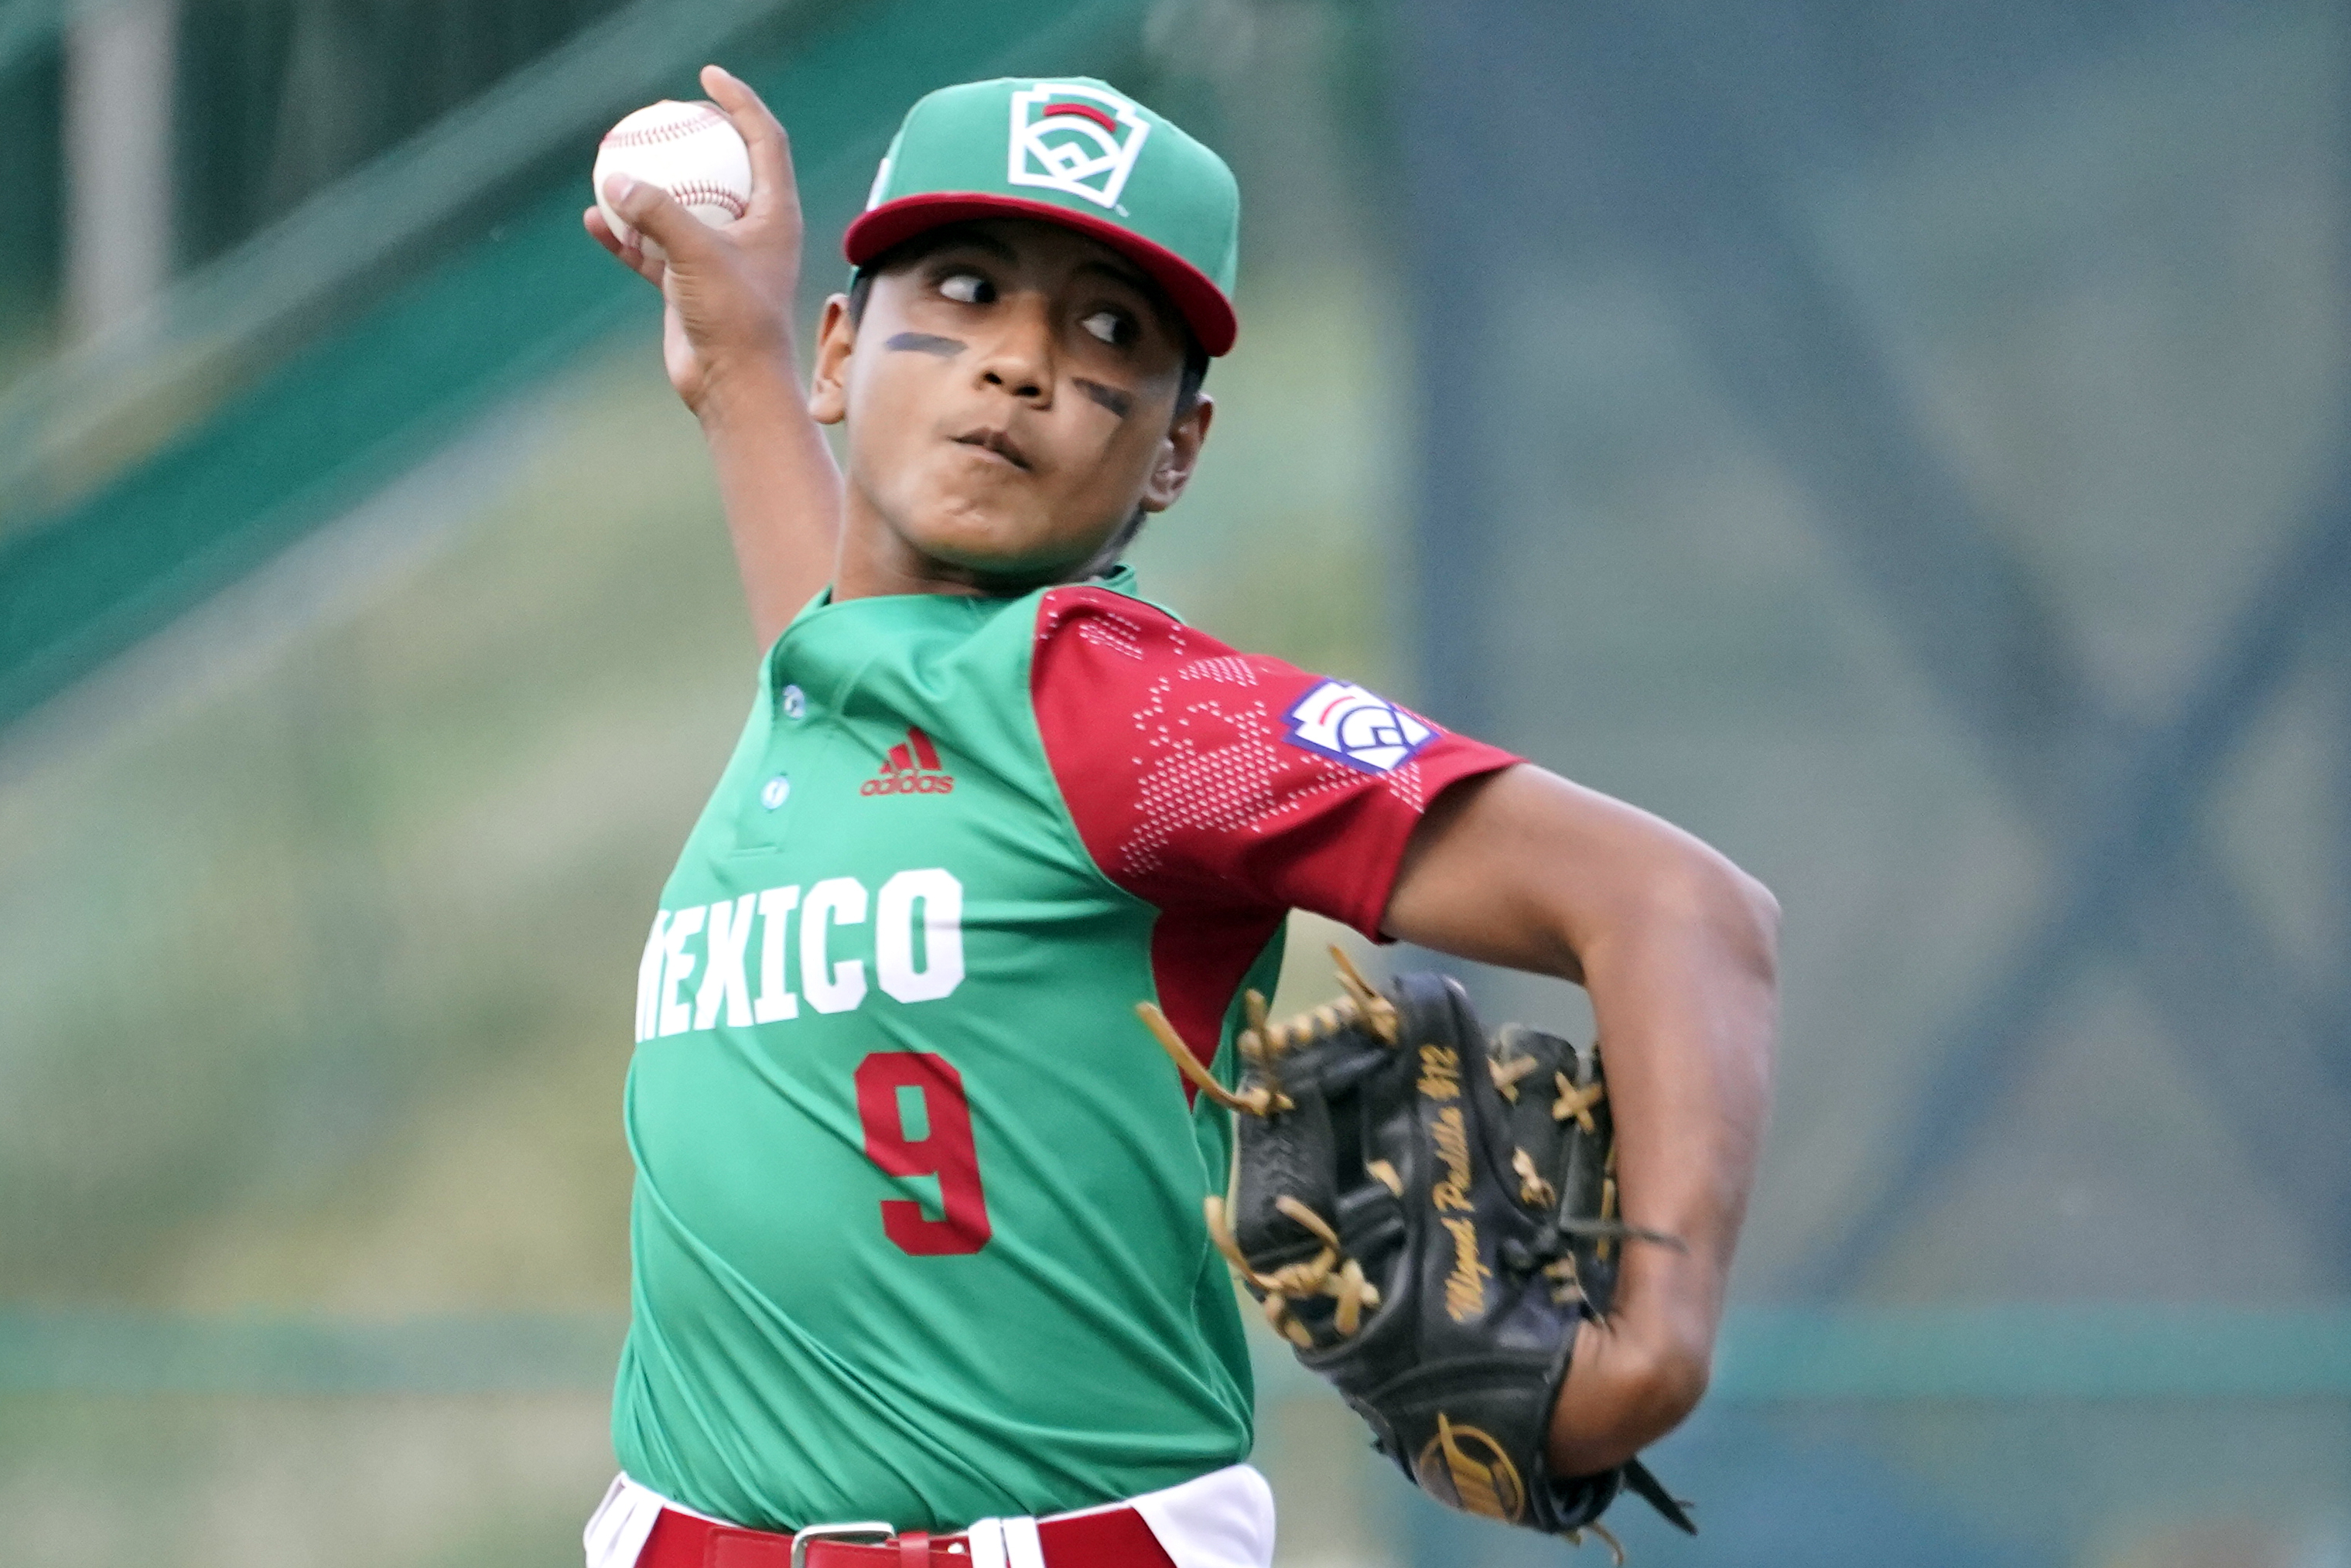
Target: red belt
1113, 1538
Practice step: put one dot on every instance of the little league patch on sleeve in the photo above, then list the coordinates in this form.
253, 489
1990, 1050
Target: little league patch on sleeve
1360, 728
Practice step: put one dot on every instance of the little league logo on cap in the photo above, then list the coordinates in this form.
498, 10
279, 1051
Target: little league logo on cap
1074, 152
1069, 137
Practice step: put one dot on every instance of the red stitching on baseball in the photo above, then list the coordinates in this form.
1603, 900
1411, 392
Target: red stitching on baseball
670, 130
689, 192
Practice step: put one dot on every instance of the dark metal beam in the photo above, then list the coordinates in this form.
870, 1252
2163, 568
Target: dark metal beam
1787, 343
2099, 898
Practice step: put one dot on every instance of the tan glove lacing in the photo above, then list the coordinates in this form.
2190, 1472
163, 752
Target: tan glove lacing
1330, 1273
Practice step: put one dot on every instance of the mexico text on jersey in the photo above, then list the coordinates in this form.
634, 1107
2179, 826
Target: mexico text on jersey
917, 1230
916, 945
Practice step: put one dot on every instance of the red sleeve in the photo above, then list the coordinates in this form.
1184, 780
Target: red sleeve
1207, 780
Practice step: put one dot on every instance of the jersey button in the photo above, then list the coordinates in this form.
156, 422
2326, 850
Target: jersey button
775, 791
795, 703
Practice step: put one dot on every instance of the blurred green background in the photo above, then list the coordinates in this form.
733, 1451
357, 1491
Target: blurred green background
1904, 444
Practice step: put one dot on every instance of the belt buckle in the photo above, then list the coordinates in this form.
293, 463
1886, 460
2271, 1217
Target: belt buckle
866, 1532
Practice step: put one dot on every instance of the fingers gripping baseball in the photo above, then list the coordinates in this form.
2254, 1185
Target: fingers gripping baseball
653, 215
626, 251
775, 190
700, 200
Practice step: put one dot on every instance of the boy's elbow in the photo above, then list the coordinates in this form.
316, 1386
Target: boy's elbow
1706, 891
1757, 923
1649, 1387
1669, 1380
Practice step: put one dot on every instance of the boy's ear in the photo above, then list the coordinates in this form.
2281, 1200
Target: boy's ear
836, 336
1179, 454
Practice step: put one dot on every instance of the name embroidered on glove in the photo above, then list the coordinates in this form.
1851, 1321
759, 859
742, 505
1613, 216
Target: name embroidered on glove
1429, 1215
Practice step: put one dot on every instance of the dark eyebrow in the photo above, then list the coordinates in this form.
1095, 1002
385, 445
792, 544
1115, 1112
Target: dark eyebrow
978, 239
1126, 274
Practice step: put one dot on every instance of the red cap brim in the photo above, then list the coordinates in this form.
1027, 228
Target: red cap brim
1203, 306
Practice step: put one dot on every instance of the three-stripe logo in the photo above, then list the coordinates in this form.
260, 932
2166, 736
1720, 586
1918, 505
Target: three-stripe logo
912, 767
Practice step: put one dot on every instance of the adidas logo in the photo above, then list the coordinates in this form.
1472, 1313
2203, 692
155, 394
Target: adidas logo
912, 768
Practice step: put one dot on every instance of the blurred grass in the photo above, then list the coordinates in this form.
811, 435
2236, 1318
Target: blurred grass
359, 1483
318, 978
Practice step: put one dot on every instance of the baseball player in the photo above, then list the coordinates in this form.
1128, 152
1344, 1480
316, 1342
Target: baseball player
921, 1273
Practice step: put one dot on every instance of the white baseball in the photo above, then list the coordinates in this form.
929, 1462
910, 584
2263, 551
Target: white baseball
690, 149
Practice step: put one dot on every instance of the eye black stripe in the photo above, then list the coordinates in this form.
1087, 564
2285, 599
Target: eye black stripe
1119, 402
927, 343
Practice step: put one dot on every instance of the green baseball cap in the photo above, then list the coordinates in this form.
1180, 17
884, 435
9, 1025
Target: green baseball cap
1070, 150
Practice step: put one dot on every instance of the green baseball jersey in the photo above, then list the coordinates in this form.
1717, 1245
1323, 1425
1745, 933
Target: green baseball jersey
917, 1229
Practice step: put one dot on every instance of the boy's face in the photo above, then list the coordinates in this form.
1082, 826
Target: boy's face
1010, 398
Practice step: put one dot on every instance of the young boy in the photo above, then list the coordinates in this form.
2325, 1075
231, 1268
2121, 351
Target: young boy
917, 1233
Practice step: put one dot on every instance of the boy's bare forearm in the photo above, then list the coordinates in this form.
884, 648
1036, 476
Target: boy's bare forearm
727, 344
778, 485
1687, 1009
1676, 948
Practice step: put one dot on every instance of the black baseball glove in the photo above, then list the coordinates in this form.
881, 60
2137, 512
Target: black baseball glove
1426, 1217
